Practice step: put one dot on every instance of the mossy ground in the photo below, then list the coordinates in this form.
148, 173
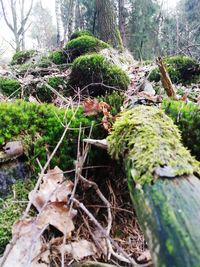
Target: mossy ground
11, 209
8, 85
40, 125
94, 68
181, 69
187, 117
21, 57
149, 139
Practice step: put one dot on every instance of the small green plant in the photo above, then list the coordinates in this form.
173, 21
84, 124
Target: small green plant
21, 57
8, 86
181, 69
58, 57
95, 72
83, 45
11, 209
79, 34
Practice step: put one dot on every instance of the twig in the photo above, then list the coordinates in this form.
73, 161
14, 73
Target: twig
124, 257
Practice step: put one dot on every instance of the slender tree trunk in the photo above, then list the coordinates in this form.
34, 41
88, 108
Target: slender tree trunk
59, 23
122, 21
107, 24
71, 17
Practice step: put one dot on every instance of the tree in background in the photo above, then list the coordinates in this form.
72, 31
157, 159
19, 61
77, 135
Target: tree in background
144, 24
42, 29
107, 24
16, 14
122, 20
59, 23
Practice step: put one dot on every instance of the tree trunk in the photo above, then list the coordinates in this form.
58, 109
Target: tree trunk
59, 23
106, 23
162, 184
122, 21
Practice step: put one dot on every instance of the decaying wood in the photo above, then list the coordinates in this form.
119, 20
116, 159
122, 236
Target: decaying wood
167, 202
165, 79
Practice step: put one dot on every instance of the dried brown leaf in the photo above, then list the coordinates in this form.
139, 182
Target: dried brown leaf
59, 216
52, 189
79, 250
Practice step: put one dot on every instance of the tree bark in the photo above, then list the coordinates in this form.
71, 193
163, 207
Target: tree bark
122, 21
59, 23
162, 184
106, 23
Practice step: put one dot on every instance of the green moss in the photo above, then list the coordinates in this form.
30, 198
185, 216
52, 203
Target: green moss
42, 124
8, 85
22, 56
147, 137
44, 94
80, 33
44, 62
58, 57
181, 69
114, 99
95, 68
83, 45
187, 117
11, 210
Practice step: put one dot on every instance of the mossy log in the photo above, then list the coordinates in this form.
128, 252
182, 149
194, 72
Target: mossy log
163, 184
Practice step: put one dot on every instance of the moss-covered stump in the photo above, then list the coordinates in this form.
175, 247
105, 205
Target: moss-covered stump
83, 45
162, 184
97, 75
181, 69
39, 127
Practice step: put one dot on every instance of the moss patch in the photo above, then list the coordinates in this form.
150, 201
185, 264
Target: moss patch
147, 137
79, 34
83, 45
8, 86
187, 117
58, 57
11, 211
41, 125
95, 68
181, 69
22, 56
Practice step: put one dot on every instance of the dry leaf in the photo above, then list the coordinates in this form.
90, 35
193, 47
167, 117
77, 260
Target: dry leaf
59, 216
53, 189
92, 107
79, 250
28, 246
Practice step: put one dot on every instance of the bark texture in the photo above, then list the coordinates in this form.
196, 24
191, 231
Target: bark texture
107, 24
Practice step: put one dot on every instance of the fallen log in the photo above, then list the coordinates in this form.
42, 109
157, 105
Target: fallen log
163, 184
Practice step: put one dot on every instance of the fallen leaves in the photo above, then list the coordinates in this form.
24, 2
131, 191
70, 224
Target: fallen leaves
93, 107
28, 247
52, 189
